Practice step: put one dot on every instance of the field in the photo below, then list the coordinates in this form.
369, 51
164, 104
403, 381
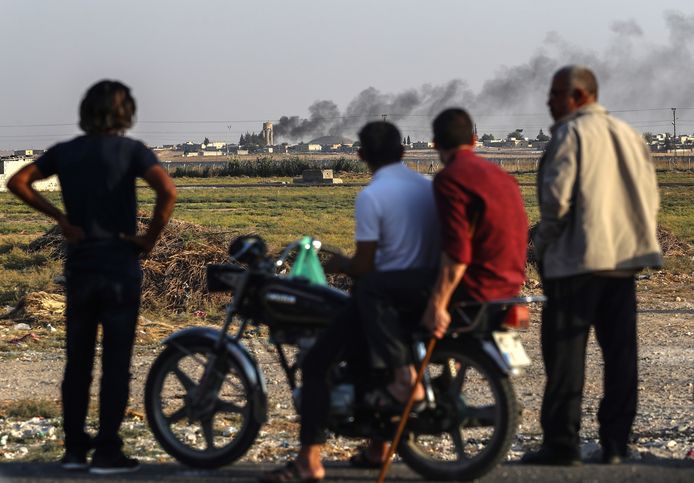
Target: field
280, 212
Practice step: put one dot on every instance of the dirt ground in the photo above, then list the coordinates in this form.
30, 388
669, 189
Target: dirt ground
664, 427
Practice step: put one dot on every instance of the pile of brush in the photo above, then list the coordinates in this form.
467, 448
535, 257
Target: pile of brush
174, 272
669, 243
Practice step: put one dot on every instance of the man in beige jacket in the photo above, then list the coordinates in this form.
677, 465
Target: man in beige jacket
598, 200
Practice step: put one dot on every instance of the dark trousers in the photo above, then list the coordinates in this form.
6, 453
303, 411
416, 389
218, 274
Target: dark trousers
573, 305
343, 340
114, 302
391, 304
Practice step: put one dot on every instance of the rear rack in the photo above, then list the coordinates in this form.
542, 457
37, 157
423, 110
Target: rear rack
471, 324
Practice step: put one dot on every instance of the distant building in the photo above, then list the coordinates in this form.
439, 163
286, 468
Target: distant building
189, 146
329, 141
515, 143
493, 143
422, 145
216, 145
282, 148
306, 148
10, 166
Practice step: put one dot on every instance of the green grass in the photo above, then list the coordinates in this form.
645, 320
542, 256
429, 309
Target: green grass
279, 213
677, 211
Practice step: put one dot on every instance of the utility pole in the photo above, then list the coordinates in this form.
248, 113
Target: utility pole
674, 123
229, 143
384, 116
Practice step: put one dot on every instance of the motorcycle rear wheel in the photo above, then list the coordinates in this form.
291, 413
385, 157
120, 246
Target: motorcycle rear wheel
481, 405
208, 433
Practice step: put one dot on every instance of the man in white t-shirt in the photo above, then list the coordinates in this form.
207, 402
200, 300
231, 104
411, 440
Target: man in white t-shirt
397, 250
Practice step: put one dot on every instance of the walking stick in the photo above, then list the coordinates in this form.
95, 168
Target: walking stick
406, 412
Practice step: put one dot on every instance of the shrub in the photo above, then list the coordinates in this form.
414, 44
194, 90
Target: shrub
268, 167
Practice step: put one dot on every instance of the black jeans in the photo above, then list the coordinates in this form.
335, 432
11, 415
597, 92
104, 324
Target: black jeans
391, 304
343, 340
113, 301
573, 305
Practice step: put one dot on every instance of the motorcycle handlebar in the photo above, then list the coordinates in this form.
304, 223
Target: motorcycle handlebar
285, 253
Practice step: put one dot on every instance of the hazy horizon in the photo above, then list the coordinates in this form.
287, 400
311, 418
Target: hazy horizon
218, 69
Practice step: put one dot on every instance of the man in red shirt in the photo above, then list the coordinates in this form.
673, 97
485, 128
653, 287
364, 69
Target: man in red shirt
484, 228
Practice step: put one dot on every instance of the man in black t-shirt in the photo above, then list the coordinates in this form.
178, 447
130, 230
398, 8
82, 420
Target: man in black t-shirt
97, 173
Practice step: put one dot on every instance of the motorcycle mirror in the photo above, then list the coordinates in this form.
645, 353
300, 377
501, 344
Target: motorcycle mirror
247, 248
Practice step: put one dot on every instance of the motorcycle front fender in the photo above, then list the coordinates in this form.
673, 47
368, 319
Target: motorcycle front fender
235, 351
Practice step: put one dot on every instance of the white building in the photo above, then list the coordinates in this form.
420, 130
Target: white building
12, 165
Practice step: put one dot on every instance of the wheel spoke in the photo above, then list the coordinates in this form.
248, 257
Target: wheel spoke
228, 407
177, 415
458, 370
208, 432
184, 379
459, 444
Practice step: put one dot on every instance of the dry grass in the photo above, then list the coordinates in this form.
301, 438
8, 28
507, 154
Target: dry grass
30, 408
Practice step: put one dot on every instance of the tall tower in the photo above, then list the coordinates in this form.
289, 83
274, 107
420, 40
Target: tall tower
267, 134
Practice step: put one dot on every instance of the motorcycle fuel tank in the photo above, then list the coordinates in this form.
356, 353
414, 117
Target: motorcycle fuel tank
299, 302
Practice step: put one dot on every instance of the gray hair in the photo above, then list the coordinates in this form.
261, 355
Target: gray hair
580, 77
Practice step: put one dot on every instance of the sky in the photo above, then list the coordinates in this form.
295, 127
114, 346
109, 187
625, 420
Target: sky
215, 68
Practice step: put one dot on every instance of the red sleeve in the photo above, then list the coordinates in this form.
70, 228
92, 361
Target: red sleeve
452, 203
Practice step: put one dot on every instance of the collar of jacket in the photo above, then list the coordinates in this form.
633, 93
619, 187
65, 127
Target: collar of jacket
592, 108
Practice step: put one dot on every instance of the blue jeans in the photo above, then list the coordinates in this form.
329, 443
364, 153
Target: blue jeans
113, 301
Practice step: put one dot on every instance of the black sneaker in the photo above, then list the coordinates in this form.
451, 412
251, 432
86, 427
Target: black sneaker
111, 465
74, 461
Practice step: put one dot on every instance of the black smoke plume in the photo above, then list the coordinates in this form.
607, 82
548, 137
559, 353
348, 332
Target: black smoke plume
633, 73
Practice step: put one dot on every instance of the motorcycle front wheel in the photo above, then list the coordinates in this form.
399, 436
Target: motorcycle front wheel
476, 401
201, 424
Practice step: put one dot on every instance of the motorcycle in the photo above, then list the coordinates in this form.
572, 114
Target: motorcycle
206, 397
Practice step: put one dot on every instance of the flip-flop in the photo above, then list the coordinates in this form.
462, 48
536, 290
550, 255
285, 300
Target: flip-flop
361, 460
383, 400
289, 473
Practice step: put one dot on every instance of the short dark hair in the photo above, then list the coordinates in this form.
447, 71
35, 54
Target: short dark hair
107, 107
453, 128
380, 143
580, 76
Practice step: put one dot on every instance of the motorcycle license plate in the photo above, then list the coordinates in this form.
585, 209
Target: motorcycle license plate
511, 348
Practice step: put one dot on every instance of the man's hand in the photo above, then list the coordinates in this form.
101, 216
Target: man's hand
436, 319
72, 233
336, 264
362, 262
144, 242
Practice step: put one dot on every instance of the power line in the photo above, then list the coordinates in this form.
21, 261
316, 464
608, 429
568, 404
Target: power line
333, 118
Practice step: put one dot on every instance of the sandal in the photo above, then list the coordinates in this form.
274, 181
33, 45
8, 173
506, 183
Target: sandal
289, 473
361, 460
382, 400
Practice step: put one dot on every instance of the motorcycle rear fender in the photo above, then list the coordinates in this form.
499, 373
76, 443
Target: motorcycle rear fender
235, 351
